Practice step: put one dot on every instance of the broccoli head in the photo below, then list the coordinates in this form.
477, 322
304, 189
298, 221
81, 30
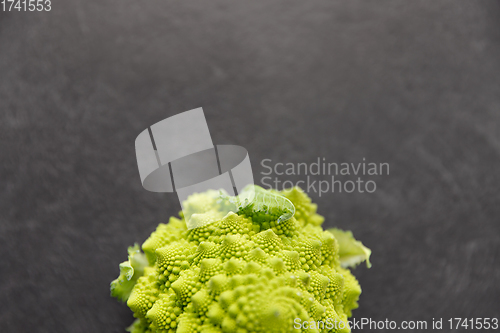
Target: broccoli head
249, 271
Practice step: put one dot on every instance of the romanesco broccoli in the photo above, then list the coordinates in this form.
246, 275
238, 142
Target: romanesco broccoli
243, 272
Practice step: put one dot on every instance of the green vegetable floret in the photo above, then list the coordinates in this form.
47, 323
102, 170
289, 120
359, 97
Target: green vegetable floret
243, 272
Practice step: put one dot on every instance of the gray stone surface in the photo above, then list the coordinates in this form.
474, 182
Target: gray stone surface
415, 84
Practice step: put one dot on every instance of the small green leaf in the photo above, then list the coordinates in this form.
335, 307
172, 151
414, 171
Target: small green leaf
130, 271
264, 206
351, 251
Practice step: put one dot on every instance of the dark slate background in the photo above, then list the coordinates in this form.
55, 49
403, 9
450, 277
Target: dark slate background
411, 83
